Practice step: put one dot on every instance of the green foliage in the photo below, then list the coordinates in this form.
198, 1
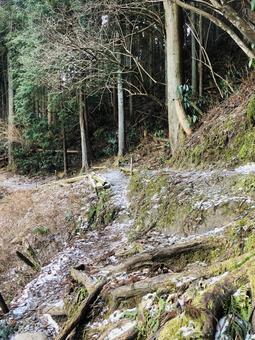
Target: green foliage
81, 295
38, 153
130, 314
107, 142
133, 136
241, 303
151, 322
41, 230
236, 324
5, 330
253, 5
192, 106
29, 162
159, 134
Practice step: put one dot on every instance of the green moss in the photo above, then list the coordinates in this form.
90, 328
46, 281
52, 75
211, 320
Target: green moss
250, 243
251, 111
245, 183
245, 146
72, 306
208, 148
103, 212
226, 142
135, 183
173, 330
41, 230
168, 204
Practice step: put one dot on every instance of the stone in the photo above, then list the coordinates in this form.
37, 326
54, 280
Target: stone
30, 336
57, 309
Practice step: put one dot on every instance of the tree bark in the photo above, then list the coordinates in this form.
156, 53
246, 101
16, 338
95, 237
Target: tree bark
194, 55
114, 106
121, 123
200, 65
82, 312
232, 16
65, 161
218, 22
173, 55
10, 111
3, 305
83, 131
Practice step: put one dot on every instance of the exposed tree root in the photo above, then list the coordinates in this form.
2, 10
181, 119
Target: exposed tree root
3, 305
82, 313
162, 254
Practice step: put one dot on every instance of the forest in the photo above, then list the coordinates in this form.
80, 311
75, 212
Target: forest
127, 169
85, 80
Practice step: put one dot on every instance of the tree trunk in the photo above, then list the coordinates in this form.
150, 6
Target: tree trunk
176, 115
10, 112
194, 54
200, 65
121, 124
65, 163
114, 104
5, 81
83, 130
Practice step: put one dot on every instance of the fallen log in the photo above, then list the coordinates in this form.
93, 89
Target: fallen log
82, 314
180, 281
129, 171
57, 151
162, 282
161, 255
3, 305
98, 167
79, 275
98, 182
73, 179
27, 261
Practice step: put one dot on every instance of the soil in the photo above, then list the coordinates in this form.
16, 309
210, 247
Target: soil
41, 214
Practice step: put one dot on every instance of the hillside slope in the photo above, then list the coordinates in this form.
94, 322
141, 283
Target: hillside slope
163, 254
226, 135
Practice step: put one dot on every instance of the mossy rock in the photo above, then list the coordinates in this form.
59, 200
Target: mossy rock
174, 329
185, 205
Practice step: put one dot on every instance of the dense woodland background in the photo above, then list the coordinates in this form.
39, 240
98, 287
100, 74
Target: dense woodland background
84, 80
167, 86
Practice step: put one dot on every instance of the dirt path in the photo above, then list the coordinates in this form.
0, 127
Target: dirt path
96, 250
13, 183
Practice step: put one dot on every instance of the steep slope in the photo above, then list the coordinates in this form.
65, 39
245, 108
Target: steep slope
227, 133
166, 254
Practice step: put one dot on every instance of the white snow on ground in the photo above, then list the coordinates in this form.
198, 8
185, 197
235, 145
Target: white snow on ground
49, 286
246, 169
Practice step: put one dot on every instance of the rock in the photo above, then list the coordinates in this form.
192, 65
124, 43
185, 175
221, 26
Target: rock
57, 309
121, 331
30, 336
